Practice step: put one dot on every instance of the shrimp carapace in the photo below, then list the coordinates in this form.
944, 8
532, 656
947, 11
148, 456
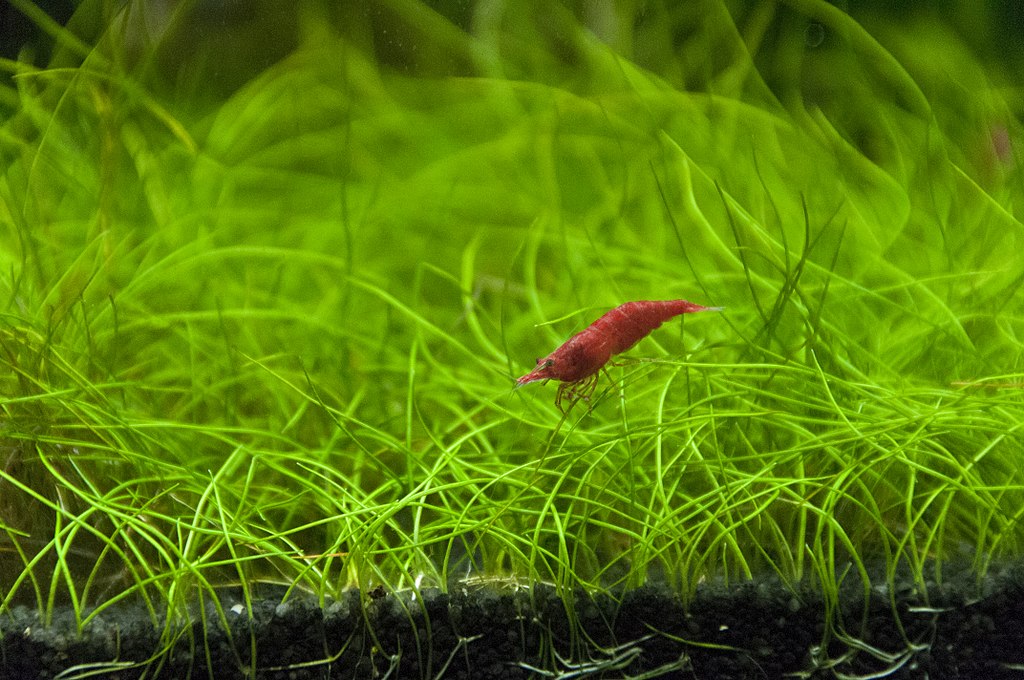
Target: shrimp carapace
577, 362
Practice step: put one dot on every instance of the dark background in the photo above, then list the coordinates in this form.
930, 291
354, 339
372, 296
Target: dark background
17, 31
994, 29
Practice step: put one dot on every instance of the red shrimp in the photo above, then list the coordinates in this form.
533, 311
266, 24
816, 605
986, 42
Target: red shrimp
577, 362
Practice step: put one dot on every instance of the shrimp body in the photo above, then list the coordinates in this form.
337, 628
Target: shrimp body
577, 361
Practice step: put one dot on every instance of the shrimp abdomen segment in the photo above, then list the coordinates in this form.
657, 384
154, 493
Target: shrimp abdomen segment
629, 323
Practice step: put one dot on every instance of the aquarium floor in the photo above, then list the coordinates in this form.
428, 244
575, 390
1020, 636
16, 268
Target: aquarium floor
756, 629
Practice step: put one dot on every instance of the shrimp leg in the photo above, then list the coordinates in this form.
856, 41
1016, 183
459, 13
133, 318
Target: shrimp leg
574, 391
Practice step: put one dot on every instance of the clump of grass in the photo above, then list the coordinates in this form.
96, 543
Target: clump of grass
269, 333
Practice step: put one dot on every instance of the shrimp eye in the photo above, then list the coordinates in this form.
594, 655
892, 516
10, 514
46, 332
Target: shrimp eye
548, 364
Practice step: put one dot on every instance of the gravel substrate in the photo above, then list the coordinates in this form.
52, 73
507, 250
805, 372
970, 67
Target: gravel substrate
499, 630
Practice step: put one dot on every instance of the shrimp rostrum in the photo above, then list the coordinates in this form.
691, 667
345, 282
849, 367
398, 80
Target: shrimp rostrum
578, 361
